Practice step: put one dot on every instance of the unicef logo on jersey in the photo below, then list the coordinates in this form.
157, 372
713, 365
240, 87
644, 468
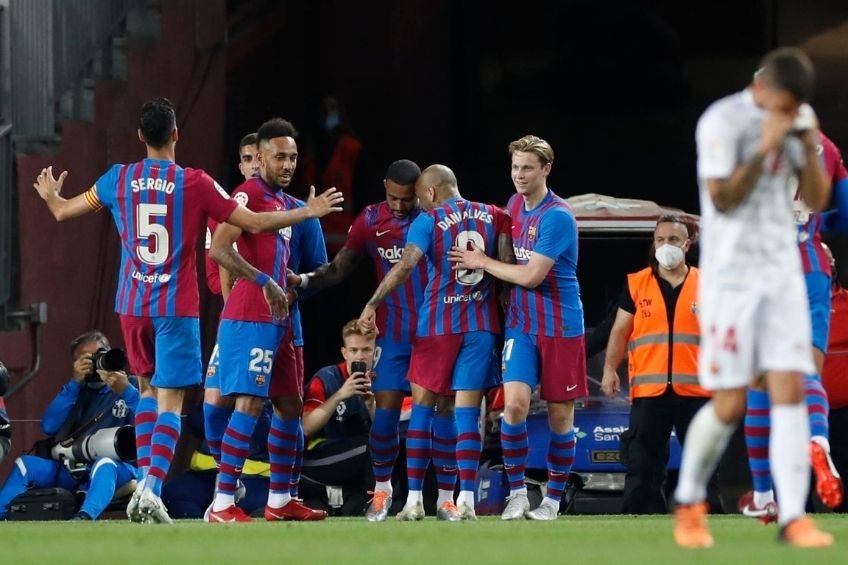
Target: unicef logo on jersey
475, 296
392, 255
285, 233
154, 278
120, 409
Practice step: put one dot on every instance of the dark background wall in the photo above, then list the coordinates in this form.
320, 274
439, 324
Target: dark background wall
615, 86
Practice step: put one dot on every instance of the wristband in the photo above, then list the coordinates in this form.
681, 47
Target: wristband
262, 279
304, 280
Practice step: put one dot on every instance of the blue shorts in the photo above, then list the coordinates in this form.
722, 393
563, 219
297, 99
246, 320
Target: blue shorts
177, 347
165, 349
246, 355
448, 363
818, 295
212, 369
391, 363
558, 364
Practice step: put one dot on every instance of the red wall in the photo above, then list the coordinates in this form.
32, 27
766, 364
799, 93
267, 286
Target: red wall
72, 266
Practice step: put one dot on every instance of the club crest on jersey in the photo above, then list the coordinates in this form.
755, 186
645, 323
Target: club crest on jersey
531, 232
694, 308
260, 380
211, 370
285, 232
120, 409
241, 198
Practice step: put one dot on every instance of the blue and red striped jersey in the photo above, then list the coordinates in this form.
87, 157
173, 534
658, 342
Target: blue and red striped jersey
160, 210
377, 232
458, 301
813, 257
269, 252
553, 308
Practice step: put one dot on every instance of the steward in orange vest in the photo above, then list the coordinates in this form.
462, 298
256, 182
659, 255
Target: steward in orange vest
657, 324
661, 354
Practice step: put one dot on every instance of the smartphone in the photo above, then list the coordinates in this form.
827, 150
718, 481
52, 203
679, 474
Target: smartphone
358, 367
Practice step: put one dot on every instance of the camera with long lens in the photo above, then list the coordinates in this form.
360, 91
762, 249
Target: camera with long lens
107, 360
117, 443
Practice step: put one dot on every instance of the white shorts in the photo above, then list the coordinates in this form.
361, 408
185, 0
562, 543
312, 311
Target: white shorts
747, 331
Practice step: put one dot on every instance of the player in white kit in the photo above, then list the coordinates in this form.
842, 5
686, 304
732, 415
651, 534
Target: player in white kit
755, 149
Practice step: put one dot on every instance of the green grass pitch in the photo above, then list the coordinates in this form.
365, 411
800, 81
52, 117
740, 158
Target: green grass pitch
574, 540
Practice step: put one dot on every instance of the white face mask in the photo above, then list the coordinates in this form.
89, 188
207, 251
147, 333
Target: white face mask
669, 256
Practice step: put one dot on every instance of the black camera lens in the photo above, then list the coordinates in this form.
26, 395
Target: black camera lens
358, 367
109, 359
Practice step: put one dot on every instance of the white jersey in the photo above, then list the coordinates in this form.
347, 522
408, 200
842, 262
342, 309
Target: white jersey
757, 240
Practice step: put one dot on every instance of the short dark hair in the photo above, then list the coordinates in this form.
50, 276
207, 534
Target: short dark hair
157, 121
93, 335
249, 139
403, 172
688, 223
789, 69
275, 127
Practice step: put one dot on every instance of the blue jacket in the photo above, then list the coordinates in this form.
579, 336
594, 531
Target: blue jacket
84, 403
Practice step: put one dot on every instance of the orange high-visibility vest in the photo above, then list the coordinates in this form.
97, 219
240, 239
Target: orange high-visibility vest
648, 347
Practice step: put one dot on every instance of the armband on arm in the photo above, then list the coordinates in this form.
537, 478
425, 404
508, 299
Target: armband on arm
91, 198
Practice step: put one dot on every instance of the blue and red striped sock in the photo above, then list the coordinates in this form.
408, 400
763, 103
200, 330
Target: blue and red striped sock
444, 451
468, 446
234, 450
817, 407
282, 452
561, 450
384, 443
294, 486
145, 420
215, 420
166, 433
757, 429
514, 446
418, 445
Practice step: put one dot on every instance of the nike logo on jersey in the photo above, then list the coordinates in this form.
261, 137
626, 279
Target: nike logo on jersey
570, 388
379, 233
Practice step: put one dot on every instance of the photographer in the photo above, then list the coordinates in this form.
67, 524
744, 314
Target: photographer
337, 412
94, 399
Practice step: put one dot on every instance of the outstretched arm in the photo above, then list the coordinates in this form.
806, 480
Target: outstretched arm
332, 273
316, 207
50, 188
529, 275
393, 279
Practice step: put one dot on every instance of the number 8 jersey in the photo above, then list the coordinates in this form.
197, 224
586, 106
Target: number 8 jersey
160, 210
463, 300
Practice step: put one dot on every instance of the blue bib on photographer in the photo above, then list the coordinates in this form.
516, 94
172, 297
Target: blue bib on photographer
96, 409
351, 418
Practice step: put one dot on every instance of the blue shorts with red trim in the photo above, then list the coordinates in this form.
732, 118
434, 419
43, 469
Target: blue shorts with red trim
246, 352
557, 363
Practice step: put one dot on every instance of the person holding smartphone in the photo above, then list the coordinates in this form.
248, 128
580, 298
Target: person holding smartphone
338, 409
